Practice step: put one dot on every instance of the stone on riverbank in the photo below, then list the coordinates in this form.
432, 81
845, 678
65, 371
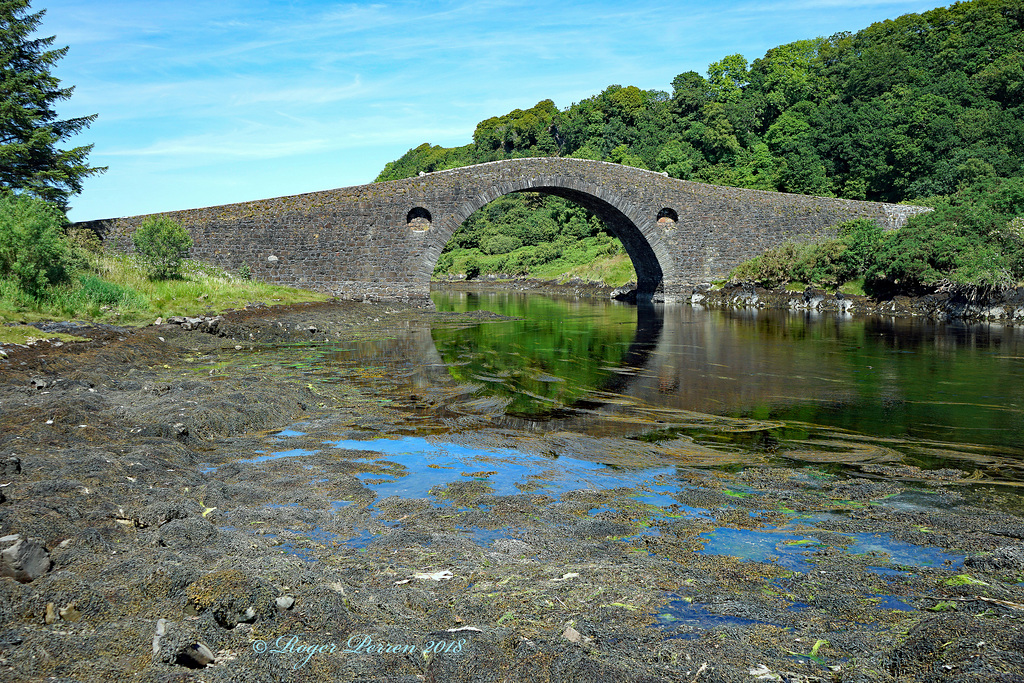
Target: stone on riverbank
25, 561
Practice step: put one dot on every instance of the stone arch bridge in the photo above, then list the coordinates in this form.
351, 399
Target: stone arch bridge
382, 240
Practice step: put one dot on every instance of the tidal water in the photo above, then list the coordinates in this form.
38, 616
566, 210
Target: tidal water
812, 387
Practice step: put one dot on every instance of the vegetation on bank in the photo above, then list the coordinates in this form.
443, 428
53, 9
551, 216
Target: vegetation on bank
926, 108
972, 239
50, 271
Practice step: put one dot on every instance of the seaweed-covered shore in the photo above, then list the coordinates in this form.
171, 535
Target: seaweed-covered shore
146, 536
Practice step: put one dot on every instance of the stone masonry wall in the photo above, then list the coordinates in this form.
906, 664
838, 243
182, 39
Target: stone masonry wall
382, 240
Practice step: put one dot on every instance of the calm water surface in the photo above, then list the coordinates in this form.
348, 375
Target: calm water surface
810, 387
628, 400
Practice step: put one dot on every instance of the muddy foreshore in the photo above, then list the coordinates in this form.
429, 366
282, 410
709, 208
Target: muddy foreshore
143, 540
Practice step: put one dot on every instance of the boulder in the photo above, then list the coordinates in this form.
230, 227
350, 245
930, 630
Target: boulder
25, 561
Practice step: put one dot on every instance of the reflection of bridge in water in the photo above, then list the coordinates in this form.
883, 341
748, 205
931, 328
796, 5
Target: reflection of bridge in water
685, 360
846, 390
679, 360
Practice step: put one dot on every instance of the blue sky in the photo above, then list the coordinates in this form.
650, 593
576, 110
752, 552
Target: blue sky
205, 103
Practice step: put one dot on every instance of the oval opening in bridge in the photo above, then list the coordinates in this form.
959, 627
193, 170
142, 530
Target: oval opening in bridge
667, 216
418, 219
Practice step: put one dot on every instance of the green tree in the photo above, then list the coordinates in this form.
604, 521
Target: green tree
785, 72
679, 159
426, 158
802, 171
690, 92
623, 155
756, 168
163, 244
727, 77
718, 136
629, 102
31, 160
32, 251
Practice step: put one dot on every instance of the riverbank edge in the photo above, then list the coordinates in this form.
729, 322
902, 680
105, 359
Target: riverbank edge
968, 305
946, 305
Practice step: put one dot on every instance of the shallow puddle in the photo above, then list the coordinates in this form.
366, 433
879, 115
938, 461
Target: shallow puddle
424, 464
795, 551
689, 619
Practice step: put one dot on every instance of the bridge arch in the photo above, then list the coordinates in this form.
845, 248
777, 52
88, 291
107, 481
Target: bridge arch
637, 231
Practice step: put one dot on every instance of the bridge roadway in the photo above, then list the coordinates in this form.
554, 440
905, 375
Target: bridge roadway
382, 240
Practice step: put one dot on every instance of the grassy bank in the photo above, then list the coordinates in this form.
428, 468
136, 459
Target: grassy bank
115, 289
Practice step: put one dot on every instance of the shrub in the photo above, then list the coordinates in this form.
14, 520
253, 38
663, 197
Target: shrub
825, 264
516, 264
444, 264
547, 252
500, 244
472, 268
245, 272
969, 239
83, 241
104, 293
162, 244
862, 236
32, 252
773, 268
612, 248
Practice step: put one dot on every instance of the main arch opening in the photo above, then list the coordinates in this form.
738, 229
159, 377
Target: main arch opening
550, 233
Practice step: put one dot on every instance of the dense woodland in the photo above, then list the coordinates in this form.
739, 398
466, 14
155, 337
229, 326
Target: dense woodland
927, 108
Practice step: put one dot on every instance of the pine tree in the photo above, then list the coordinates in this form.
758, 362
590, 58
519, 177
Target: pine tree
30, 160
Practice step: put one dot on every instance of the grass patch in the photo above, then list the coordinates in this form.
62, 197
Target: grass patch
853, 287
23, 334
613, 271
116, 289
599, 258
